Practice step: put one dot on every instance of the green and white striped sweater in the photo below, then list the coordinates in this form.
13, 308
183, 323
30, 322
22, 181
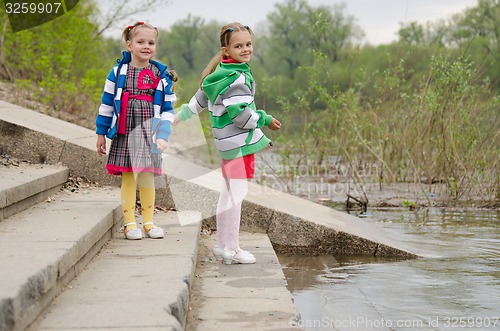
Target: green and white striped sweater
228, 93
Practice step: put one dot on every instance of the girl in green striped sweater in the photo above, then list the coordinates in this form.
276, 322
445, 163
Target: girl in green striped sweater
227, 90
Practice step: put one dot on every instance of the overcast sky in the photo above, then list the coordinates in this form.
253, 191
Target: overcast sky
379, 19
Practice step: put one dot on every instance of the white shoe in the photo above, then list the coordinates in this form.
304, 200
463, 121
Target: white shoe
238, 256
217, 252
134, 234
155, 232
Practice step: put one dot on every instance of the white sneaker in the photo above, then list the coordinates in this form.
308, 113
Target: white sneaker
134, 234
155, 232
217, 252
238, 256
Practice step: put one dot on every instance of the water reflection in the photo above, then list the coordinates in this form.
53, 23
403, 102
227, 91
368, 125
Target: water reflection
457, 284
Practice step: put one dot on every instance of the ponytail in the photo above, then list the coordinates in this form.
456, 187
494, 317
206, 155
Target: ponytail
175, 77
211, 66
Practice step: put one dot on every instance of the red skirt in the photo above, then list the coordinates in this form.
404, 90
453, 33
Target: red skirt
239, 168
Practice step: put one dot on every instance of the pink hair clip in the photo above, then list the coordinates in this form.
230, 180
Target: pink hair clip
132, 26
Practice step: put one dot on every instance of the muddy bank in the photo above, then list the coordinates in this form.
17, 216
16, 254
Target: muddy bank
332, 185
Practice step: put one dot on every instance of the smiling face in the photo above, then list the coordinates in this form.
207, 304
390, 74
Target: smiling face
142, 46
240, 47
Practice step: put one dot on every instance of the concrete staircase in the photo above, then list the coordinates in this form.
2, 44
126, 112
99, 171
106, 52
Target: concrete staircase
49, 235
46, 237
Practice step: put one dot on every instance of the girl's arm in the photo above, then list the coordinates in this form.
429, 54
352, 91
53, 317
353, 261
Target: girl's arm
105, 114
101, 144
198, 102
239, 103
275, 124
164, 100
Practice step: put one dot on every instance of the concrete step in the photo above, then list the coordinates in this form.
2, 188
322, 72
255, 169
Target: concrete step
24, 185
133, 284
45, 246
241, 296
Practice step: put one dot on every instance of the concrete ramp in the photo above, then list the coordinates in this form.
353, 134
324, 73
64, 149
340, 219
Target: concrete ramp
294, 225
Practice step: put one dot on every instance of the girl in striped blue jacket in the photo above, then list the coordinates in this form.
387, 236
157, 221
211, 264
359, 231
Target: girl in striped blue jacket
136, 111
227, 90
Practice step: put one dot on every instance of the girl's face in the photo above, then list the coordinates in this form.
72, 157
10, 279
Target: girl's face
240, 47
142, 46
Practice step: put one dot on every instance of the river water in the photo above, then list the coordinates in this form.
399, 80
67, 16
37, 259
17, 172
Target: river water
455, 286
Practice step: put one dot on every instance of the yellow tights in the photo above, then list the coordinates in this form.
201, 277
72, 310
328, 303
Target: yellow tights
147, 195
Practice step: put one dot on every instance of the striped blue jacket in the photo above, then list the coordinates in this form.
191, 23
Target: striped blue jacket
163, 100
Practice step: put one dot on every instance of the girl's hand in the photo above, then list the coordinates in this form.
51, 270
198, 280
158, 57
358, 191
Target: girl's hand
101, 145
275, 124
161, 144
176, 120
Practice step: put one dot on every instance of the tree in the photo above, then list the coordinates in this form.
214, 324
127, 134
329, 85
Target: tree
189, 44
332, 31
58, 63
411, 33
116, 12
297, 29
289, 34
477, 32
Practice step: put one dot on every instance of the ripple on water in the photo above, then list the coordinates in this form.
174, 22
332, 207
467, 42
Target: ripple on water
461, 280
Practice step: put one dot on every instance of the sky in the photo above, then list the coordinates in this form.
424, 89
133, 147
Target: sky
379, 19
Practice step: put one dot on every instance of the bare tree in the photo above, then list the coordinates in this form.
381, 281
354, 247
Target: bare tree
114, 12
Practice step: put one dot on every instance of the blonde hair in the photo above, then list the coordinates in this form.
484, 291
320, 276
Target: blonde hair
226, 33
131, 30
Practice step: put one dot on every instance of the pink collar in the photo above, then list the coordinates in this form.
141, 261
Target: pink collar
228, 60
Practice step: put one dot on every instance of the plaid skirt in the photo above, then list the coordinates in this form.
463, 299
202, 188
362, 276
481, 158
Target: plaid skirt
131, 152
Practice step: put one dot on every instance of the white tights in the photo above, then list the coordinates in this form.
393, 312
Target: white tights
228, 216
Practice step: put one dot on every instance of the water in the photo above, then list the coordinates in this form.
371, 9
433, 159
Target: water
455, 286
